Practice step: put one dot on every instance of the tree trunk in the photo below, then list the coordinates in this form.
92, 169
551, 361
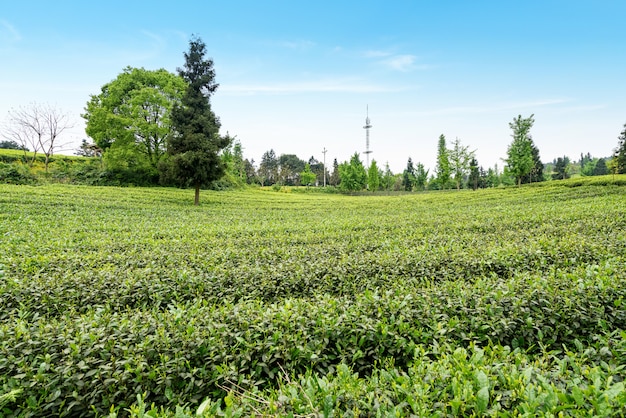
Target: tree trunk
196, 201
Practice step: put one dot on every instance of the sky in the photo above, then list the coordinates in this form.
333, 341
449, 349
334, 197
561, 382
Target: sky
298, 77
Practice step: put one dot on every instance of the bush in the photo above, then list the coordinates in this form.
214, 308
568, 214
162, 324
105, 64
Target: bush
16, 173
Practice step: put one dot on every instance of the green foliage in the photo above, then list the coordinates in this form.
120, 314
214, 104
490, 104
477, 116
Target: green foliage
307, 177
520, 152
459, 160
505, 302
619, 156
373, 177
10, 144
268, 169
290, 167
600, 168
335, 179
16, 173
536, 172
561, 169
196, 143
352, 174
443, 170
408, 176
132, 115
474, 176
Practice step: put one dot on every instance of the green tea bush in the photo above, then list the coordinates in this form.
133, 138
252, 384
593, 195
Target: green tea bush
16, 173
262, 303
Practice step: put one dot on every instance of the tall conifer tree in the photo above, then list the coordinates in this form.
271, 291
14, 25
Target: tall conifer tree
443, 169
195, 146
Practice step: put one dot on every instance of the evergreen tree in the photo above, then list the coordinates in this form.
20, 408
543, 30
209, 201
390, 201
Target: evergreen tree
408, 176
600, 168
251, 177
442, 170
387, 179
335, 179
459, 157
536, 172
619, 156
373, 178
474, 176
421, 176
10, 144
268, 169
520, 160
194, 148
492, 179
561, 169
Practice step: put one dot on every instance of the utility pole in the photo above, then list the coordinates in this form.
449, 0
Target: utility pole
324, 165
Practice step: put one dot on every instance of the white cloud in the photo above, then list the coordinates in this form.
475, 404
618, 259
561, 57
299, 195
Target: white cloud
396, 62
403, 63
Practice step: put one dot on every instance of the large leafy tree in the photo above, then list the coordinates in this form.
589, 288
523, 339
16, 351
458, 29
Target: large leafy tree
131, 117
352, 174
520, 152
442, 171
619, 156
290, 168
196, 143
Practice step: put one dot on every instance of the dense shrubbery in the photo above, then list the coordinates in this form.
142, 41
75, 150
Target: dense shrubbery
505, 301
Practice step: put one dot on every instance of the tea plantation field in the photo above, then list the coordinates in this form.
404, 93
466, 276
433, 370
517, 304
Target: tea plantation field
133, 302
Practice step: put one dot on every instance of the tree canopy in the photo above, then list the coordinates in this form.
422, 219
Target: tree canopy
132, 116
353, 175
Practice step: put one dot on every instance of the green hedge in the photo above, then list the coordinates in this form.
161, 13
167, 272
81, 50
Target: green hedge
184, 353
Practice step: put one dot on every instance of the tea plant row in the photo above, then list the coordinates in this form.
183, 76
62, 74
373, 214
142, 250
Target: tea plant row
496, 302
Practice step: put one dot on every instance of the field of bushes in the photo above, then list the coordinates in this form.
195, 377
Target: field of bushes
133, 302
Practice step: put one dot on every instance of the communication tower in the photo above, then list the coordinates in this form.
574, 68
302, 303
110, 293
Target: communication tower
367, 138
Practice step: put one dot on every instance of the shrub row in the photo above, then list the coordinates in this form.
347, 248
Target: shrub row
188, 352
473, 381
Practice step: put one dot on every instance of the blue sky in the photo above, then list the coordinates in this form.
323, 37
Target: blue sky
297, 76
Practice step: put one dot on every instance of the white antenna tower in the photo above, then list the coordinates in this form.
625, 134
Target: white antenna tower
367, 138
